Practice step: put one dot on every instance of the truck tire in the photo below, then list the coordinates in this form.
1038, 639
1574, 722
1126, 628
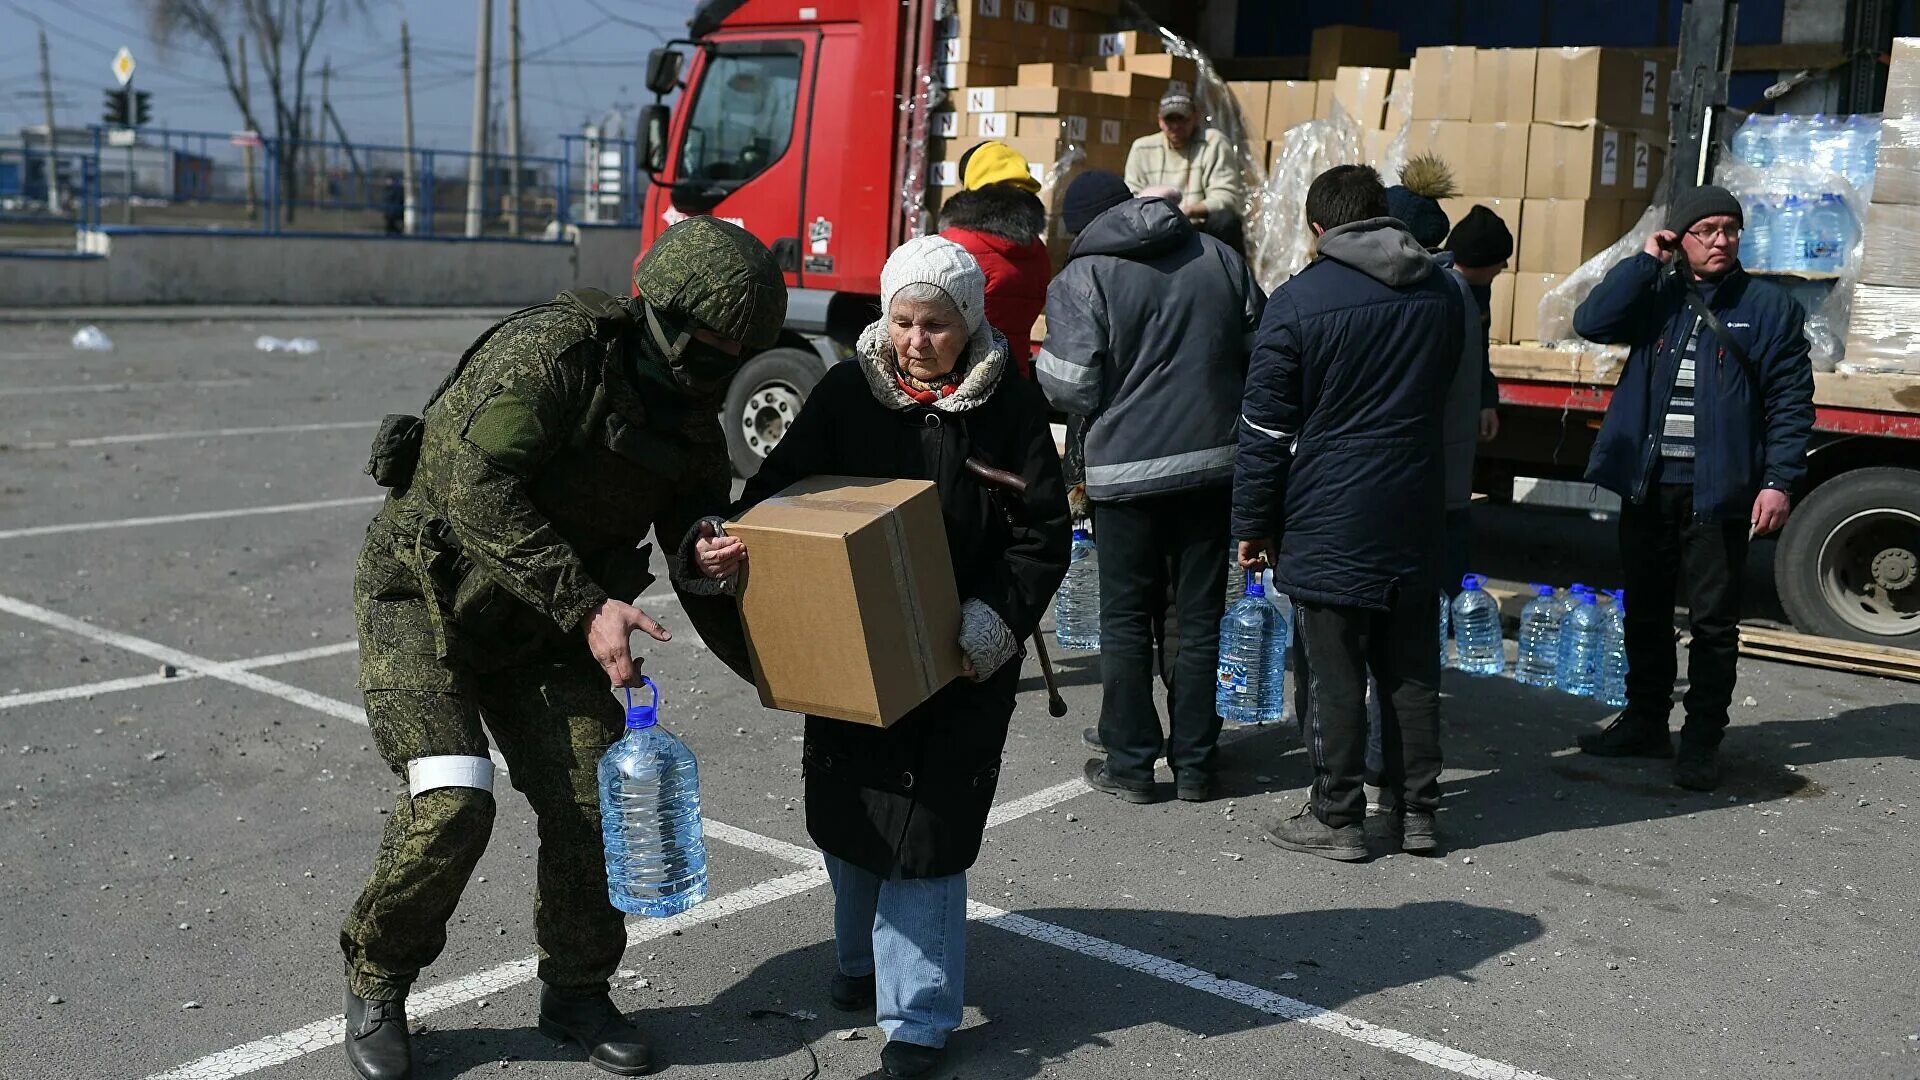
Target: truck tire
762, 400
1848, 565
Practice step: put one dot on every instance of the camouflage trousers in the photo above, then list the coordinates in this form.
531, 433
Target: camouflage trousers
552, 723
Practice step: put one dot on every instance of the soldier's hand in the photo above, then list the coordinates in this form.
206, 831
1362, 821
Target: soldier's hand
717, 556
607, 636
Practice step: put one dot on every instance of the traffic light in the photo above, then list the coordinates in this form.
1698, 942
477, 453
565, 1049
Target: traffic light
142, 111
118, 112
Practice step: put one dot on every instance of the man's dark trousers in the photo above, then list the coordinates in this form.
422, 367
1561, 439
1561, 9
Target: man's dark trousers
1664, 550
1145, 543
1334, 649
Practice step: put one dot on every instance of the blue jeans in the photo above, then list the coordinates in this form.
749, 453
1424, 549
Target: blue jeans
911, 935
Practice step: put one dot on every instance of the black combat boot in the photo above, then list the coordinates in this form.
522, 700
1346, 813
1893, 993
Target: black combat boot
592, 1020
1629, 736
909, 1059
1096, 776
851, 993
377, 1042
1696, 767
1306, 833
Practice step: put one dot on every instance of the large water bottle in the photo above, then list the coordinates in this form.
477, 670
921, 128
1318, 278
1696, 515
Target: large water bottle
1246, 632
1076, 607
1273, 684
1539, 653
1613, 658
1753, 143
1785, 242
1758, 231
1236, 575
1826, 232
1580, 648
1476, 629
1446, 609
650, 817
1863, 152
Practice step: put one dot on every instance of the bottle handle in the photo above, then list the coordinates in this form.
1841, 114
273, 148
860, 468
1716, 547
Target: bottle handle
650, 684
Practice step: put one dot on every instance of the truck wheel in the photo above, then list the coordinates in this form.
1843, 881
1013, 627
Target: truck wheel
762, 400
1849, 563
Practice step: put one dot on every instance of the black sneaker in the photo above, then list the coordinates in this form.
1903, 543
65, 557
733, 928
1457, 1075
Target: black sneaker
1697, 767
1305, 833
1629, 736
909, 1059
851, 993
1417, 833
1090, 738
1098, 780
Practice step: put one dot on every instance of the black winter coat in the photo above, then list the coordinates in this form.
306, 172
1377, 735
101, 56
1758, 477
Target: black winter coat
912, 799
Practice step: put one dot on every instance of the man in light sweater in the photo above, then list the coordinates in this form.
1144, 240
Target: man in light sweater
1198, 162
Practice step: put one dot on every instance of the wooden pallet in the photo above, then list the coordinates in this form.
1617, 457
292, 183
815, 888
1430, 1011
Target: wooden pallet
1533, 363
1787, 647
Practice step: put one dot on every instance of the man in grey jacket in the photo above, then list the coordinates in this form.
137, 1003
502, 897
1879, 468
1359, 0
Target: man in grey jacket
1149, 325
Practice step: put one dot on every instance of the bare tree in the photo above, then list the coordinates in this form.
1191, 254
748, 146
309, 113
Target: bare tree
284, 33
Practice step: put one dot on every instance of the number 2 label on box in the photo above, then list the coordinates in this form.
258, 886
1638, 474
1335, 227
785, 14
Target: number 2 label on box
1649, 87
1641, 159
1609, 159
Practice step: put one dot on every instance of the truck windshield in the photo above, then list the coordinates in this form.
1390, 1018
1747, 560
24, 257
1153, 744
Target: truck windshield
742, 118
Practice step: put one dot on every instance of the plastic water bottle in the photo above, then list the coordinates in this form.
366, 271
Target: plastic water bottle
1753, 143
1785, 242
1076, 608
1246, 632
1476, 629
1580, 647
1758, 210
650, 817
1539, 654
1613, 659
1825, 235
1863, 152
1446, 609
1273, 683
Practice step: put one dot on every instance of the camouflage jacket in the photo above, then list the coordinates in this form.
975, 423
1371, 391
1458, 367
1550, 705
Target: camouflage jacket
543, 464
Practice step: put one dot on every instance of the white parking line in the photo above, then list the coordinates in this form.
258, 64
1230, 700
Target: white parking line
209, 433
175, 519
137, 682
119, 387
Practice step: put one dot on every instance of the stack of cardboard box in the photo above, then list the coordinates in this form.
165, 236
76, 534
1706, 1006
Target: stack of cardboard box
1886, 302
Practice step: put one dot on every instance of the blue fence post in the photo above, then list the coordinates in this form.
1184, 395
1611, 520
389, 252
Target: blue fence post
563, 202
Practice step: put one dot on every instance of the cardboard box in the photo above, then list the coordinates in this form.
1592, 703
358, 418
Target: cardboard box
1252, 98
1335, 47
1024, 13
1128, 84
984, 20
1896, 177
1289, 103
1649, 162
1587, 162
1892, 246
1400, 99
1489, 158
1074, 129
1374, 145
1362, 92
962, 76
1880, 335
1062, 76
1500, 309
1506, 208
1028, 100
1322, 98
1589, 85
1129, 43
1527, 291
1073, 19
1159, 65
1560, 234
1445, 87
1503, 86
848, 600
1903, 83
973, 51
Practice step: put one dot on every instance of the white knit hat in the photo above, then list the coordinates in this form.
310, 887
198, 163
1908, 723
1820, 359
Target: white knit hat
937, 261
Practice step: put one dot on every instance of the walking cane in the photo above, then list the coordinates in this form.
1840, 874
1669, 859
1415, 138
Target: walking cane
1013, 482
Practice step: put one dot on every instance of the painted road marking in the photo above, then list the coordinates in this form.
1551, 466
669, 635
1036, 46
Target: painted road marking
208, 433
137, 682
175, 519
121, 387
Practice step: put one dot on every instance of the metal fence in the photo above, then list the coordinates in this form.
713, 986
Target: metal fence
235, 182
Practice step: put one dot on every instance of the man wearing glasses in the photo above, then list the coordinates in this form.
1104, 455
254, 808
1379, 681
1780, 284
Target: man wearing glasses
1704, 441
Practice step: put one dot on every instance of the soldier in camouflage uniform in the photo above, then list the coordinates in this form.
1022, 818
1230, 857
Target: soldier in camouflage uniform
492, 587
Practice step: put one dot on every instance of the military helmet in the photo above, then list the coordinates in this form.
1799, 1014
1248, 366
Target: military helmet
720, 276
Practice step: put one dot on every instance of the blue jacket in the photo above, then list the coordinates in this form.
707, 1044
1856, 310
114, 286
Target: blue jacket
1339, 458
1750, 428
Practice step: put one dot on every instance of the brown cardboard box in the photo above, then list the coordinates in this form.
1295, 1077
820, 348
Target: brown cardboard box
1903, 84
1560, 234
1335, 47
1586, 162
1375, 145
1130, 43
1362, 92
1500, 309
1029, 100
1488, 158
1506, 208
849, 605
1527, 291
1159, 65
1063, 76
1399, 100
1896, 177
973, 51
1322, 98
1892, 243
1025, 15
1073, 19
1112, 131
1588, 85
1072, 128
984, 20
1252, 98
1128, 84
961, 76
1445, 87
1648, 162
1503, 86
1289, 103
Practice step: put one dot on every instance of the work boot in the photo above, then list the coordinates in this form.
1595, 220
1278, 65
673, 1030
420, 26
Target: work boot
1629, 736
851, 993
1190, 786
1090, 738
1416, 833
1697, 767
592, 1020
1098, 780
377, 1042
1307, 833
909, 1059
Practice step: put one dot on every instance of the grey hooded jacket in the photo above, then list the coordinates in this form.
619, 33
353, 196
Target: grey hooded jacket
1149, 325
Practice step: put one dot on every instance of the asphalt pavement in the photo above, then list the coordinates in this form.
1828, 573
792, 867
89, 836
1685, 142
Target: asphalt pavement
189, 800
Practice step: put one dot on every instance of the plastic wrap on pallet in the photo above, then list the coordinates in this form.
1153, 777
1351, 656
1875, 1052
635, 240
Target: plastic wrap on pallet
1557, 306
1778, 200
1279, 239
913, 190
1880, 335
1399, 103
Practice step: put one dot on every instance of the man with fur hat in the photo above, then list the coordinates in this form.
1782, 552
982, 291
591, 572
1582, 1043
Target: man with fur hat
1704, 441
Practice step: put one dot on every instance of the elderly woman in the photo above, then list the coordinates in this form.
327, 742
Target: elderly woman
899, 811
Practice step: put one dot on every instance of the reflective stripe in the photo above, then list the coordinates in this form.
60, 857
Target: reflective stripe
1268, 432
1133, 472
449, 770
1066, 371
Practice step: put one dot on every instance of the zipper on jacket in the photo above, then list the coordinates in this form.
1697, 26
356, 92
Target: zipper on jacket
1650, 451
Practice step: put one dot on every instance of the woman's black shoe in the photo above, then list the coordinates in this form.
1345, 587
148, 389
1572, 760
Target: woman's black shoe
851, 993
909, 1059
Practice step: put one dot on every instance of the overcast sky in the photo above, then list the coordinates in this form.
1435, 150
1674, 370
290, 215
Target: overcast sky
579, 59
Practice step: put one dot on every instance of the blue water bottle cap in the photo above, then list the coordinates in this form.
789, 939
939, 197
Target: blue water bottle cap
1254, 588
1589, 599
643, 716
1473, 581
1079, 534
1577, 588
1542, 590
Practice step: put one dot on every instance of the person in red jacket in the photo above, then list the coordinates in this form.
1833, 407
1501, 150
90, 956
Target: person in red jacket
999, 219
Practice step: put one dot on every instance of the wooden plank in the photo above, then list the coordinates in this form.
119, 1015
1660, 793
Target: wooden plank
1791, 56
1852, 656
1533, 363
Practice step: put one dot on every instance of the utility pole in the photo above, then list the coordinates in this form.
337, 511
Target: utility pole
476, 164
53, 136
406, 126
246, 103
320, 129
513, 115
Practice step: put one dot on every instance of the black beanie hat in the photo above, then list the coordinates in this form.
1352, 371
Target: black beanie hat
1702, 202
1091, 194
1421, 215
1481, 239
